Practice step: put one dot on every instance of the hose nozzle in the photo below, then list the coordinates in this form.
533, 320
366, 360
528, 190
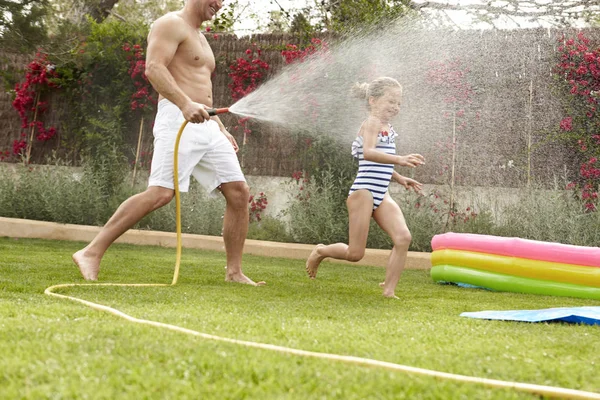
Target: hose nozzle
216, 111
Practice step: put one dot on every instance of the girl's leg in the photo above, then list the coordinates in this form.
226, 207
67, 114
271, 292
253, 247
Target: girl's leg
390, 218
360, 209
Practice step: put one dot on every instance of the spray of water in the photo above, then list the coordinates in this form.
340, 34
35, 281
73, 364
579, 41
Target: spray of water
314, 96
508, 71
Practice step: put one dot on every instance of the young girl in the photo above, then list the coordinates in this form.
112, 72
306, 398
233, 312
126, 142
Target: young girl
375, 149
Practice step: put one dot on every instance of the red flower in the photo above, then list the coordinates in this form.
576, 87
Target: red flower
19, 146
566, 124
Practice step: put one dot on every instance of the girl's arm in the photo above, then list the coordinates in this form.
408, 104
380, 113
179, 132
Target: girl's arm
369, 131
408, 183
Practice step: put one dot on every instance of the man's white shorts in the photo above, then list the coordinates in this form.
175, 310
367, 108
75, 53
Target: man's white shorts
204, 152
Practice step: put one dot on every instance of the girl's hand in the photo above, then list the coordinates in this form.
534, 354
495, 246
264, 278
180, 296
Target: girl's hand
409, 183
411, 160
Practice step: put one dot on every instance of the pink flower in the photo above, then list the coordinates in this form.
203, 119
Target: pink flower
566, 124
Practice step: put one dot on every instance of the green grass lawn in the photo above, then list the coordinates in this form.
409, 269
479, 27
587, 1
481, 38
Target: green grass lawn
58, 349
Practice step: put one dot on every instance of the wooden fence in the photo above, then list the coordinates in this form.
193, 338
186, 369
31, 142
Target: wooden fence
517, 110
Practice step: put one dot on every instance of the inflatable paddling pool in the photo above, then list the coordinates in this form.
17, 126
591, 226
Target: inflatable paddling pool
516, 265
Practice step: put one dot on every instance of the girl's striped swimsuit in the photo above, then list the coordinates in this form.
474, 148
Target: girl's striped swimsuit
372, 176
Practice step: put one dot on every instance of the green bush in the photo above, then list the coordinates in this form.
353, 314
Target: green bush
200, 214
101, 80
50, 193
429, 215
553, 216
316, 215
270, 229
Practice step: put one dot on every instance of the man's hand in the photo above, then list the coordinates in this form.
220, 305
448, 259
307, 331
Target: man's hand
409, 183
195, 112
231, 139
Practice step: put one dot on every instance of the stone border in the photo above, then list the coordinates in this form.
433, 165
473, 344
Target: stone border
25, 228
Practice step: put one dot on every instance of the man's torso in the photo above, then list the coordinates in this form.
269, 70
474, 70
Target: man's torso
192, 67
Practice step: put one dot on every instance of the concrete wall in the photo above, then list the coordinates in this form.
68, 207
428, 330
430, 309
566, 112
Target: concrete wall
495, 199
279, 192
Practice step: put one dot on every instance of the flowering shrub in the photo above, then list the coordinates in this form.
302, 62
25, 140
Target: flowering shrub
301, 182
308, 102
257, 206
450, 76
109, 98
316, 214
578, 73
246, 74
435, 202
144, 160
293, 54
143, 96
27, 102
450, 79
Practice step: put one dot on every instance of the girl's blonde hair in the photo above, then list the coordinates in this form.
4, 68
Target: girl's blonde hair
376, 88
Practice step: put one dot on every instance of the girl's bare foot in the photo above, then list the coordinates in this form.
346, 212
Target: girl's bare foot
390, 295
241, 278
88, 266
313, 261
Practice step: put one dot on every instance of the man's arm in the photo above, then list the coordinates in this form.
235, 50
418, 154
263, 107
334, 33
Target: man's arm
166, 34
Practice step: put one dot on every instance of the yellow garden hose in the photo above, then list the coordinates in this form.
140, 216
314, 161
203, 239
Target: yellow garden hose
177, 202
549, 391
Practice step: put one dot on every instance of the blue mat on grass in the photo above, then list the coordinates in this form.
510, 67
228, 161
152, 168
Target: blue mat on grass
576, 315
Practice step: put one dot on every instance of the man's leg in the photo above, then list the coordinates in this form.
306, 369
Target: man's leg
235, 228
129, 213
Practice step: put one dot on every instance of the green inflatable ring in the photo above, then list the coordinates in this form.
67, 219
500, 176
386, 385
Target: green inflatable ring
515, 266
508, 283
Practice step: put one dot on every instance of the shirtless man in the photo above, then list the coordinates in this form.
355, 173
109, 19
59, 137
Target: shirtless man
179, 63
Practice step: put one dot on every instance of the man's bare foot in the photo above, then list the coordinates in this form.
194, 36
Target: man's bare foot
241, 278
88, 266
313, 261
